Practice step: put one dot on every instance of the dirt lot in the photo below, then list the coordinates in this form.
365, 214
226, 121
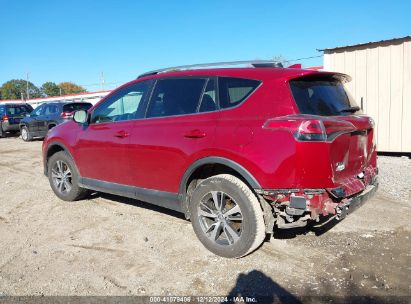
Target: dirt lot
113, 246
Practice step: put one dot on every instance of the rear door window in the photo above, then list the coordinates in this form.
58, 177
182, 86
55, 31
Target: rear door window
322, 96
176, 96
208, 100
233, 91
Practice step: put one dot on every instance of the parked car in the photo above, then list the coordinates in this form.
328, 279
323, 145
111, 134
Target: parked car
237, 150
47, 116
10, 116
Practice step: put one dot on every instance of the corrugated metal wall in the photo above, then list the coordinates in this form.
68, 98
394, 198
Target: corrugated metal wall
381, 75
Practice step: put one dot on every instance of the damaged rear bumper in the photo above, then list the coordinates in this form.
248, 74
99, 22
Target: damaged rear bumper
349, 205
295, 207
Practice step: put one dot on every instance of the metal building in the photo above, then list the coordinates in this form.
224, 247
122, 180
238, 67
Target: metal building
381, 82
92, 97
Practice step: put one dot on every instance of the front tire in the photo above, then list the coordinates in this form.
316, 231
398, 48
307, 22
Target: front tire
226, 216
25, 134
64, 178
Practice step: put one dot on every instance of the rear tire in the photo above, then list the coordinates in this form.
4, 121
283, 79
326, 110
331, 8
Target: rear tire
2, 134
63, 177
226, 216
25, 134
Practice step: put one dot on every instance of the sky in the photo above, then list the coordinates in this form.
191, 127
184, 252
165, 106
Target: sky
78, 40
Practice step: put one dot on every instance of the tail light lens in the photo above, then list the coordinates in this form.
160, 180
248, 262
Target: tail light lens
5, 118
66, 114
310, 129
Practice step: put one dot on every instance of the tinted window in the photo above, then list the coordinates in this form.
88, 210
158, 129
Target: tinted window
71, 107
17, 109
235, 90
326, 97
175, 97
51, 109
38, 111
125, 104
208, 101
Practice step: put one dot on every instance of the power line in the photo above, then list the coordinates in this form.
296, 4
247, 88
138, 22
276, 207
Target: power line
304, 58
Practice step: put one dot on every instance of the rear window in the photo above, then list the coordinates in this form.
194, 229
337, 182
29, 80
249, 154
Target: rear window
71, 107
233, 91
17, 109
324, 97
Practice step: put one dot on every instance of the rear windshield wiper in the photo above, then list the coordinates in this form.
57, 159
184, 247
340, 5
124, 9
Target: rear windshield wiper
350, 109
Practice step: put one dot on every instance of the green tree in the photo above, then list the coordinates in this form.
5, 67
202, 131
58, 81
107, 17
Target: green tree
13, 89
71, 88
50, 89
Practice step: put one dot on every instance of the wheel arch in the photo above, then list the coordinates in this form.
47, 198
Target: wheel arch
222, 165
51, 124
52, 149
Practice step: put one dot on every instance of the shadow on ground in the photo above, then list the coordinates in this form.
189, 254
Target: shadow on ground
137, 203
256, 287
317, 228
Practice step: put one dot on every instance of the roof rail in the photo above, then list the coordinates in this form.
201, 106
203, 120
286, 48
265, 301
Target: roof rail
253, 63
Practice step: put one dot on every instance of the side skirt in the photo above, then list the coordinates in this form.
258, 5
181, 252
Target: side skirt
164, 199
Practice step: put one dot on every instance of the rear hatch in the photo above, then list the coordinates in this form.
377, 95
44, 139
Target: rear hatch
334, 116
15, 113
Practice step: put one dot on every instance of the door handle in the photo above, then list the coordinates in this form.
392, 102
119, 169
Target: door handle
121, 134
195, 134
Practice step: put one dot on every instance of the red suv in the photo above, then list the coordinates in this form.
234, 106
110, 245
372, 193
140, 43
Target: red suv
237, 150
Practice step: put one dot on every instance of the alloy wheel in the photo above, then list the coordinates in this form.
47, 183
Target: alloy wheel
62, 177
220, 218
24, 134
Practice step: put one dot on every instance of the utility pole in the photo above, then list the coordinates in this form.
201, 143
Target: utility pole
102, 81
27, 87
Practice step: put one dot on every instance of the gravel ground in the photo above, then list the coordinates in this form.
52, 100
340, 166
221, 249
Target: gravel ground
395, 177
108, 245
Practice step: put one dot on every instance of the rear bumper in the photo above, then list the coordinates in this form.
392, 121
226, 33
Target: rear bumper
296, 206
351, 204
9, 127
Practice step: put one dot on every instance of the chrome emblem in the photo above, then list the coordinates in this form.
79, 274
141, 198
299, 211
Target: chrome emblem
340, 166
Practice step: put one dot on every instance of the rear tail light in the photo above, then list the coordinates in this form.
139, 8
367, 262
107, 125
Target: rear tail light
5, 118
66, 114
310, 129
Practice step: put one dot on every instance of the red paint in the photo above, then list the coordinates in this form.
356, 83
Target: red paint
259, 135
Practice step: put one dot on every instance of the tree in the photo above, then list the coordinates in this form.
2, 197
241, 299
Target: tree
71, 88
50, 89
16, 88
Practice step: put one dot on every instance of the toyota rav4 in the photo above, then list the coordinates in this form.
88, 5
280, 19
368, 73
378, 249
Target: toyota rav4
239, 151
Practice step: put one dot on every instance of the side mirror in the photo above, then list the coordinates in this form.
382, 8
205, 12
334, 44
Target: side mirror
80, 116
